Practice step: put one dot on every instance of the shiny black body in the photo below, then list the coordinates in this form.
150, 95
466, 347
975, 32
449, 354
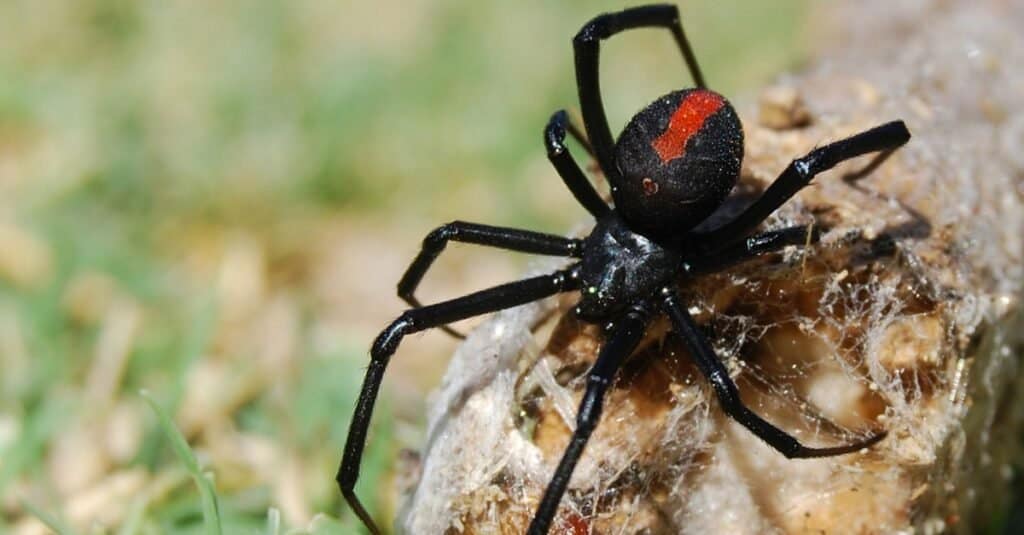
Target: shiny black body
620, 267
674, 164
689, 188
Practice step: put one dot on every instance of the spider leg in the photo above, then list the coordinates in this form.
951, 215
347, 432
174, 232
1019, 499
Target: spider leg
580, 136
587, 49
622, 340
572, 175
729, 397
875, 163
750, 248
418, 319
505, 238
801, 171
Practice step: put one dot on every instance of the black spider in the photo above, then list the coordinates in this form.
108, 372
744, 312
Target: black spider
673, 165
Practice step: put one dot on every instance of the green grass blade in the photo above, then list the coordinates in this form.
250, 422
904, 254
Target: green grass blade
51, 521
273, 521
326, 525
133, 518
28, 450
207, 494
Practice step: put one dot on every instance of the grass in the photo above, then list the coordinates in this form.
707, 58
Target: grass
203, 480
213, 205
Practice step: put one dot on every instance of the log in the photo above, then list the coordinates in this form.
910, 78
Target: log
906, 317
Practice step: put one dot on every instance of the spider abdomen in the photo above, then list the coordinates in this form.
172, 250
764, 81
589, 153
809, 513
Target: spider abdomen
678, 160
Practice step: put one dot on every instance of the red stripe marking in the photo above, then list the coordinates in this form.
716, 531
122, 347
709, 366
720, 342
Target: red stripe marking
687, 120
577, 525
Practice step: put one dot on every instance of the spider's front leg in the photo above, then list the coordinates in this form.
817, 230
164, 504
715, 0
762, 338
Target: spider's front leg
572, 175
800, 172
728, 395
580, 136
523, 241
622, 340
418, 319
587, 49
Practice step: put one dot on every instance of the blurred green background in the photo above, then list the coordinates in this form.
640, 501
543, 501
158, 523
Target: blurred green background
213, 201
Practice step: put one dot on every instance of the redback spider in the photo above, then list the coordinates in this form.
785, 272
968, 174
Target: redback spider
674, 164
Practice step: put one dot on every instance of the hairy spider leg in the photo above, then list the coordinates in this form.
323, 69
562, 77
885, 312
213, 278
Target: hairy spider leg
572, 175
750, 248
524, 241
418, 319
729, 397
800, 172
586, 45
625, 334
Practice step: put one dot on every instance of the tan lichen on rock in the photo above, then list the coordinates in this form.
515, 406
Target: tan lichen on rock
904, 318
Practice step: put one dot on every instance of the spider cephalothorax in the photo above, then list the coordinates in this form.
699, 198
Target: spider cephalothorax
620, 267
673, 165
